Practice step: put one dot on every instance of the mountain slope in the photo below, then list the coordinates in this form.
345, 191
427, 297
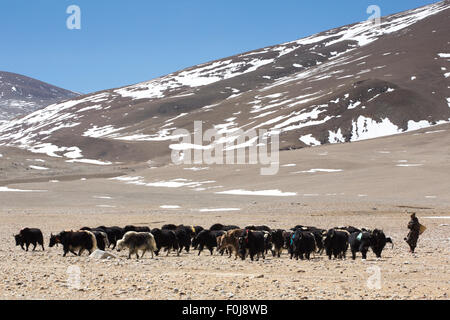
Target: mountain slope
347, 84
20, 95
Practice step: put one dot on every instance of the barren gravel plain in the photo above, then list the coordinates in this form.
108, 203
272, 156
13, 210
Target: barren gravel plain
46, 275
370, 190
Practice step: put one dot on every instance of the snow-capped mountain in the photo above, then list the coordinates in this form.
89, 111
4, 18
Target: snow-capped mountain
347, 84
20, 95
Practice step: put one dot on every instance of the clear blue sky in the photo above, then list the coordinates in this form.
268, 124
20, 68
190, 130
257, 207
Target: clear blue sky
124, 42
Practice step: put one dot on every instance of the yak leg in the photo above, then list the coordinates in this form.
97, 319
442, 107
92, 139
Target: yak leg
364, 253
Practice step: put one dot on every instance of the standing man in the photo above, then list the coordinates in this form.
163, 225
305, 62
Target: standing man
415, 230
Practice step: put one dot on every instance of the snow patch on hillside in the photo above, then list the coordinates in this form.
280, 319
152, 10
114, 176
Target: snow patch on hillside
335, 137
271, 193
310, 140
366, 128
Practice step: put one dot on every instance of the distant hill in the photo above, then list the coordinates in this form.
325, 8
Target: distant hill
348, 84
21, 95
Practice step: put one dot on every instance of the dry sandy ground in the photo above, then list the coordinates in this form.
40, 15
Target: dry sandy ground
44, 275
372, 190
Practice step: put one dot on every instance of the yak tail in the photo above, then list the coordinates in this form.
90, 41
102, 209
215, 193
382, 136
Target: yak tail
153, 243
106, 240
94, 241
390, 241
316, 246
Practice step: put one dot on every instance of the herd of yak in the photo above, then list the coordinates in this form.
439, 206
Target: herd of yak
254, 241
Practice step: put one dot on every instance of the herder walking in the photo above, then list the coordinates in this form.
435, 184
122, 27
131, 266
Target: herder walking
416, 229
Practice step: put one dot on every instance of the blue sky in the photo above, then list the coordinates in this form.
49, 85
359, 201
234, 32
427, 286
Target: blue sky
125, 42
